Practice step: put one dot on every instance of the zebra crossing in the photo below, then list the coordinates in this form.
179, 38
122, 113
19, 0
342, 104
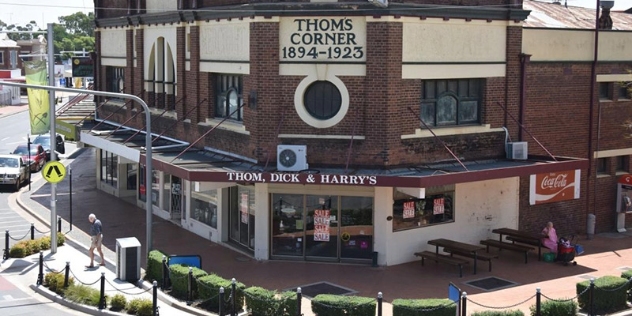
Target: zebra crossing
17, 227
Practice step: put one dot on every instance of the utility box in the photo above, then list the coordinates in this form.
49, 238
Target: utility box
128, 259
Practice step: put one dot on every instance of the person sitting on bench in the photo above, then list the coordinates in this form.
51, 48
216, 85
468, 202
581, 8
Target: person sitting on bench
550, 237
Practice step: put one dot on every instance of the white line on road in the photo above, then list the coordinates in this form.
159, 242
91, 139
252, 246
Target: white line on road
4, 139
19, 221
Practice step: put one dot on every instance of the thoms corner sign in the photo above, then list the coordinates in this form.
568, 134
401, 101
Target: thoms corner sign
554, 186
301, 178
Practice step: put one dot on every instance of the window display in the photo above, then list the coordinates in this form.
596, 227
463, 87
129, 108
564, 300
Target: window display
204, 207
410, 212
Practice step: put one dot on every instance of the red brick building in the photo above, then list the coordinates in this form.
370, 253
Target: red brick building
339, 130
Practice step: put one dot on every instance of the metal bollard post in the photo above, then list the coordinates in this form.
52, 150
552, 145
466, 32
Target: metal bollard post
190, 287
155, 299
379, 303
164, 273
59, 224
538, 298
40, 275
299, 298
32, 231
592, 297
233, 293
102, 294
5, 256
221, 301
70, 194
464, 303
67, 274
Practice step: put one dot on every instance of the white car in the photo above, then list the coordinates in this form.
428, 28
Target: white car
13, 171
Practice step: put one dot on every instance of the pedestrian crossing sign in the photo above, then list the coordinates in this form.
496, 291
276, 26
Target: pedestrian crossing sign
54, 171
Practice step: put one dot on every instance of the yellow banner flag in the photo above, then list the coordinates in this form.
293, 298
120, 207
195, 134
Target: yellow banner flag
39, 108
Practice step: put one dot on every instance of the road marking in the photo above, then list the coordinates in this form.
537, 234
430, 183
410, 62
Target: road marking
4, 139
7, 297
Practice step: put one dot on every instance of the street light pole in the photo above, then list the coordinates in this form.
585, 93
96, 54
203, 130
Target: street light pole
148, 148
53, 134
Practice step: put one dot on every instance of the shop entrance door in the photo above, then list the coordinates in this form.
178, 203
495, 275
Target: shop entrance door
321, 232
175, 207
356, 229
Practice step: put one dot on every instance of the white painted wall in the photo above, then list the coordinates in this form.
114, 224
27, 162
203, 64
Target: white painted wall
113, 42
262, 221
151, 36
225, 40
479, 208
157, 6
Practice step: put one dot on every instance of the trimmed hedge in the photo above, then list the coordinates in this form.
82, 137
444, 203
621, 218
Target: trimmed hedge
610, 294
555, 308
413, 307
262, 302
338, 305
118, 302
179, 276
499, 313
208, 288
26, 248
154, 266
628, 275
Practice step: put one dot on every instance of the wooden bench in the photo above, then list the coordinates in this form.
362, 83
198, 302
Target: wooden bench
532, 242
505, 245
442, 258
479, 256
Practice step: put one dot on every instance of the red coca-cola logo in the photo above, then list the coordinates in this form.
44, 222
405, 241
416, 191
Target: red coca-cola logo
558, 181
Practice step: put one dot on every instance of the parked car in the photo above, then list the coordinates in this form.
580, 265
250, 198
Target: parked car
37, 157
13, 171
44, 140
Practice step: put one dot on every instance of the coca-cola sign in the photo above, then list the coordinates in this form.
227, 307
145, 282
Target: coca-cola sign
554, 186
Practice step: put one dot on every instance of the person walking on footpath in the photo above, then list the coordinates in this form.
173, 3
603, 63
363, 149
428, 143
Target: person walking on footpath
97, 237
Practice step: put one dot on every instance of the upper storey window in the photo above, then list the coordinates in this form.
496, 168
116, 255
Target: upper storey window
451, 102
229, 97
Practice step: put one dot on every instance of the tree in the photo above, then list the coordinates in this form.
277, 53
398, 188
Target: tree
31, 26
79, 23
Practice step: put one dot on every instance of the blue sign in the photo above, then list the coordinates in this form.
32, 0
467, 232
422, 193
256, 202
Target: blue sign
454, 293
190, 260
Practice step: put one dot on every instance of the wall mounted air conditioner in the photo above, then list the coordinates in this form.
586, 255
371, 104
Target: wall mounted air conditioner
517, 150
292, 157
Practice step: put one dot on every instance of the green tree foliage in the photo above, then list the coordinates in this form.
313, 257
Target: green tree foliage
78, 24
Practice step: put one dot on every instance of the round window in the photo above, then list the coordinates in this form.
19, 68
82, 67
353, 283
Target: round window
322, 100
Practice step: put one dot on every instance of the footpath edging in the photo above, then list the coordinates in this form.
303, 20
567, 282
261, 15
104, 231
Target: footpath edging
42, 290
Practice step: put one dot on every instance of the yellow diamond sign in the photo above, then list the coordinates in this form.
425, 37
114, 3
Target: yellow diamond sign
54, 171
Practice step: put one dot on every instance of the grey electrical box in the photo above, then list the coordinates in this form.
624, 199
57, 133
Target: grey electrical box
128, 259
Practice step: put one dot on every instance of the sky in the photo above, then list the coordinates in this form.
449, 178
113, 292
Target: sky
21, 12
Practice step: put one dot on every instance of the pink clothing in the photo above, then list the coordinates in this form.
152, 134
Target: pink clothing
550, 239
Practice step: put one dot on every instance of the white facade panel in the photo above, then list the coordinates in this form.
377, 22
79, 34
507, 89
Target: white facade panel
113, 43
225, 40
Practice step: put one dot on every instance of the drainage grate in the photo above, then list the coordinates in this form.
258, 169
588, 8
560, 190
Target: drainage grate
490, 284
311, 290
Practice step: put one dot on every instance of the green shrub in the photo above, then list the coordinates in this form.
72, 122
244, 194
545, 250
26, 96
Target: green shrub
34, 245
209, 291
179, 276
628, 275
61, 239
18, 251
610, 294
82, 294
133, 305
145, 307
154, 266
118, 302
55, 282
262, 302
44, 243
555, 308
338, 305
410, 307
499, 313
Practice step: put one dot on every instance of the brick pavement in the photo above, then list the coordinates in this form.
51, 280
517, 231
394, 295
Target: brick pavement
606, 254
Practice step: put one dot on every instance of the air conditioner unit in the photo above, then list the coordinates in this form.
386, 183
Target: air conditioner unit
128, 259
292, 157
517, 150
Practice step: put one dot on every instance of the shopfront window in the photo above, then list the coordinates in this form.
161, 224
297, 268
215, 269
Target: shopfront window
155, 187
109, 164
132, 170
410, 212
166, 191
356, 231
204, 207
142, 187
242, 215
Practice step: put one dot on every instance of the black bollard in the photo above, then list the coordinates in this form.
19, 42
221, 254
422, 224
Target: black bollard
32, 231
67, 274
155, 299
164, 273
538, 300
299, 299
592, 297
221, 301
190, 287
70, 194
464, 304
233, 293
5, 256
379, 303
40, 275
102, 294
59, 224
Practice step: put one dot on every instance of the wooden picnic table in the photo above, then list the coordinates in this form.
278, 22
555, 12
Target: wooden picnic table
532, 238
457, 246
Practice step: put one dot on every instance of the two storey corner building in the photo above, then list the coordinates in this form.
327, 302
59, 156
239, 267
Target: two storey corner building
341, 131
